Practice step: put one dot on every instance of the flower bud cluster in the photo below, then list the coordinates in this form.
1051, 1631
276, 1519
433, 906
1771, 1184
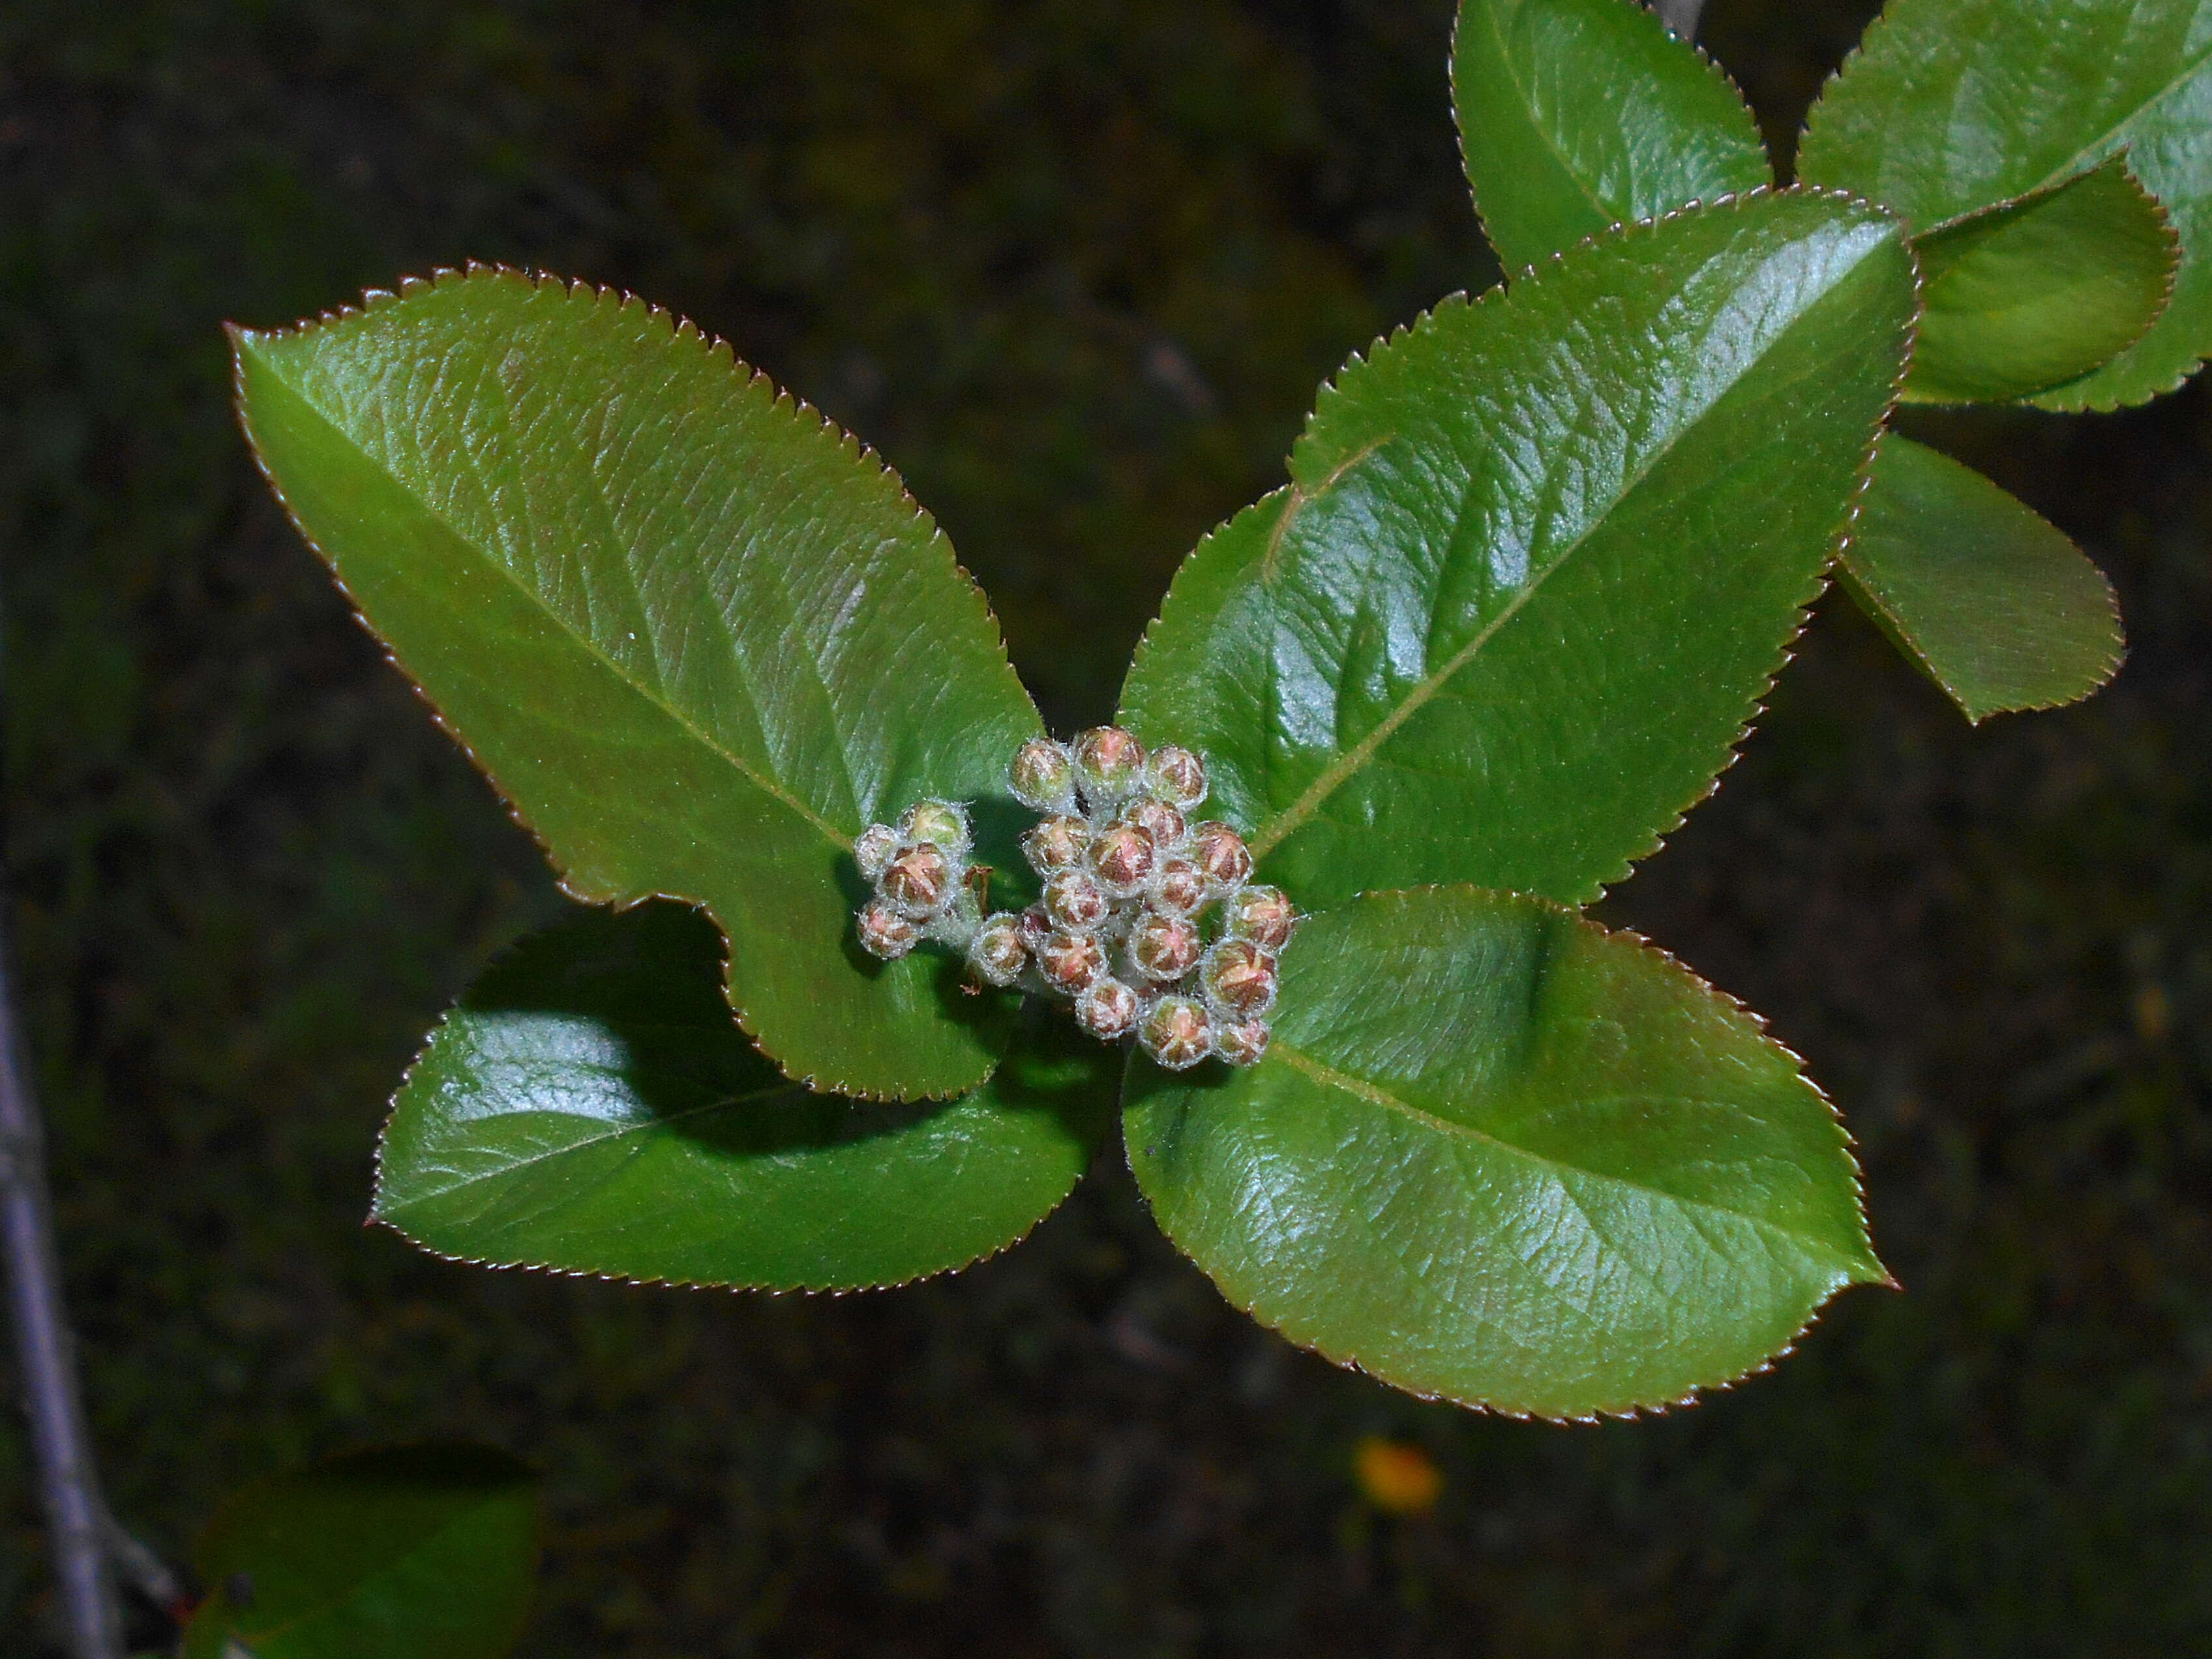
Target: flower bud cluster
1150, 924
919, 867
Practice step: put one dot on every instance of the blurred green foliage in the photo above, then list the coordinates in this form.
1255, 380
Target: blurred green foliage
1075, 269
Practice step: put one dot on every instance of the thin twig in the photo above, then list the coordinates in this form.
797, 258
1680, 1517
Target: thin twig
1679, 15
137, 1566
76, 1516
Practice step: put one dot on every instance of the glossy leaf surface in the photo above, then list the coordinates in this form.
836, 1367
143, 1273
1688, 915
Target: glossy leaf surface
2027, 297
1499, 1155
1995, 605
427, 1551
589, 1106
696, 635
1575, 115
1952, 106
1541, 555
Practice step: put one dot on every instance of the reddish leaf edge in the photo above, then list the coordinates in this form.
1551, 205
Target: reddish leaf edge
1893, 627
2167, 235
1634, 1410
1713, 67
659, 1281
1884, 21
1756, 708
680, 327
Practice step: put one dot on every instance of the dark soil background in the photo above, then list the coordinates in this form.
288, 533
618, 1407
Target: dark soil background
1076, 268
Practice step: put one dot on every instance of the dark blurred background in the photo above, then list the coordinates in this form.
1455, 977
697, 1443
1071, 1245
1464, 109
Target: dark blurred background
1075, 268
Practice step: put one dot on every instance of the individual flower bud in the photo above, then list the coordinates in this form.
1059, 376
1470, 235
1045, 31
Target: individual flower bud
874, 849
1176, 1033
941, 822
1165, 947
1071, 963
1162, 823
1122, 860
1108, 764
1243, 1042
1035, 925
1263, 914
1042, 777
1178, 777
1108, 1009
1239, 977
918, 879
997, 952
1074, 900
884, 932
1056, 843
1178, 887
1220, 852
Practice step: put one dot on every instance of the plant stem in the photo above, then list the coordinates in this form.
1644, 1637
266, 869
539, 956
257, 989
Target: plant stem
76, 1516
1679, 15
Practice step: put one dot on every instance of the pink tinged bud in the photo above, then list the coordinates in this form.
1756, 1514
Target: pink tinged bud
1122, 858
1176, 1033
1108, 1009
1056, 843
874, 849
1165, 947
1035, 925
1177, 775
1220, 852
1263, 914
997, 952
1239, 977
1108, 764
1243, 1042
884, 932
1074, 901
1165, 825
1178, 886
918, 879
1071, 963
942, 822
1042, 777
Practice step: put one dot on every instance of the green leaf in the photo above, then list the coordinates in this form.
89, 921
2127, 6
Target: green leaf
1953, 106
2023, 297
588, 1107
1994, 604
1575, 115
698, 637
1541, 555
427, 1551
1500, 1155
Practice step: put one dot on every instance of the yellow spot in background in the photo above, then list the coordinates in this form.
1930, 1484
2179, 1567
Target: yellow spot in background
1398, 1478
2154, 1014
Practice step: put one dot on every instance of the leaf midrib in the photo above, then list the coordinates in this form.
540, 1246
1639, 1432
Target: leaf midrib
590, 648
643, 1125
1266, 836
1611, 216
1359, 1088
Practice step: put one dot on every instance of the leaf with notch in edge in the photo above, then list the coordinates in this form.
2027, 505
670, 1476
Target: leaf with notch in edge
1577, 115
698, 637
1501, 1156
429, 1551
2027, 297
1541, 555
588, 1107
1949, 108
1988, 599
